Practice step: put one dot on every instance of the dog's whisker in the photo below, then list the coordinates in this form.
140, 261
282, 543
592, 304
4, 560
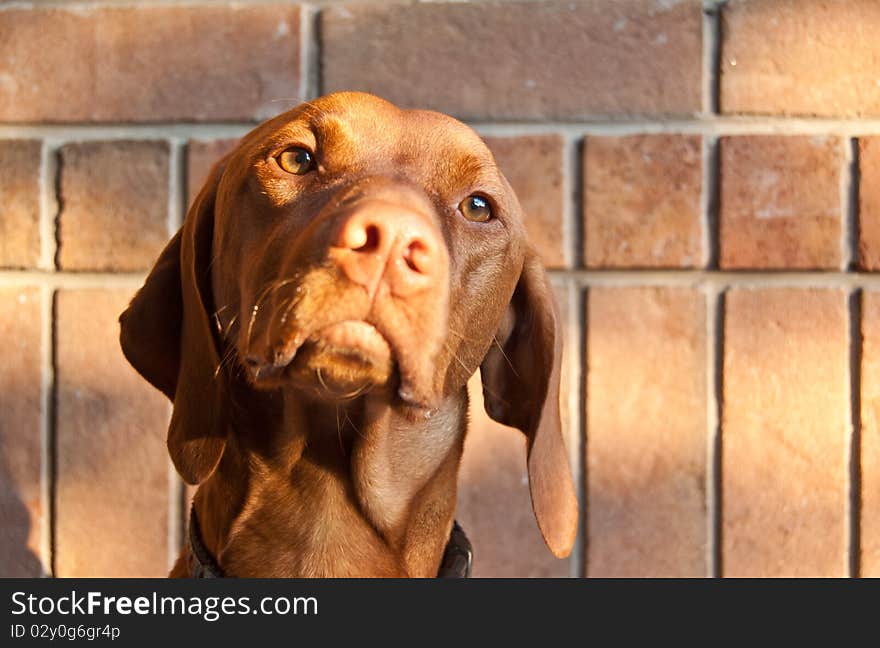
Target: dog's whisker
509, 363
486, 388
218, 322
353, 426
226, 360
339, 430
321, 379
461, 335
229, 326
265, 292
288, 306
457, 359
357, 392
353, 394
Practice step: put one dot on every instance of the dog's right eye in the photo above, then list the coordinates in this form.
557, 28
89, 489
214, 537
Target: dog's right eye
296, 160
476, 208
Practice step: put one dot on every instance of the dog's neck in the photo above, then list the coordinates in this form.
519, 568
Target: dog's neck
307, 488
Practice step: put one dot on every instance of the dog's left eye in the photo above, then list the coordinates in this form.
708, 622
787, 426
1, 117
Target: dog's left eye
296, 160
476, 208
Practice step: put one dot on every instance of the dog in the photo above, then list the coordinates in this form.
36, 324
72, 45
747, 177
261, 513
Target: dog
341, 275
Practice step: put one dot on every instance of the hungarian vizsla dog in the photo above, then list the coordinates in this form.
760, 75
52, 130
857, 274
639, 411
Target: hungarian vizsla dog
341, 275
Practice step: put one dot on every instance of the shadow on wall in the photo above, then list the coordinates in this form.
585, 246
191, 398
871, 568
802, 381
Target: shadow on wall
494, 506
111, 472
17, 557
21, 515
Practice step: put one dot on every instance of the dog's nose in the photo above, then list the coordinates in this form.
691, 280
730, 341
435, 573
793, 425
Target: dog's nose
392, 243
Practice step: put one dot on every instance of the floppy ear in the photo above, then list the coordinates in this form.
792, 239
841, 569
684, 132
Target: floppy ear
166, 336
521, 389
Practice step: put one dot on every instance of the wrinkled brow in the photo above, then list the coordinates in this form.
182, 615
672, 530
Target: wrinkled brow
312, 128
468, 170
330, 129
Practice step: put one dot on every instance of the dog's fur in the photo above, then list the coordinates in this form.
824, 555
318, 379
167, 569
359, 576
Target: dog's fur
323, 446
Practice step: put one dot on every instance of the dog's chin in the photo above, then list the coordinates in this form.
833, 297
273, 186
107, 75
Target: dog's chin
339, 372
338, 362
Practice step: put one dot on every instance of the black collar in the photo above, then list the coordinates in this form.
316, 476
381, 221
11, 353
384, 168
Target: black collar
457, 557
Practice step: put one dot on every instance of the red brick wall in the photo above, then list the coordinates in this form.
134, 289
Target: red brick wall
702, 178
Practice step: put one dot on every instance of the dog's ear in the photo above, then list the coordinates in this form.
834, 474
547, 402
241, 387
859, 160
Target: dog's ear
166, 335
521, 389
150, 326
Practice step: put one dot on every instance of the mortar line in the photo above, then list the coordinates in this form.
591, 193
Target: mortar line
64, 279
709, 202
575, 128
574, 235
175, 514
572, 210
89, 5
582, 484
310, 52
84, 5
78, 132
723, 279
849, 197
698, 125
714, 401
575, 411
844, 187
854, 501
175, 215
48, 214
46, 443
49, 405
71, 280
48, 206
176, 184
711, 58
58, 206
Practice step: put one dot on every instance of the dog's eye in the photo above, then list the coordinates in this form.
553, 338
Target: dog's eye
296, 160
476, 208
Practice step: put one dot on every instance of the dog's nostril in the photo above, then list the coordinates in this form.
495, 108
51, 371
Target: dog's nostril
410, 263
417, 257
252, 361
364, 239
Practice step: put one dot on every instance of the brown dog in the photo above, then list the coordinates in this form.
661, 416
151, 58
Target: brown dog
338, 279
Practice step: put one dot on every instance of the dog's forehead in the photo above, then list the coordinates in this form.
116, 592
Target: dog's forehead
364, 123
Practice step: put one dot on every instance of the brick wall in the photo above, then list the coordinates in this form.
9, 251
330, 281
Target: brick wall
703, 180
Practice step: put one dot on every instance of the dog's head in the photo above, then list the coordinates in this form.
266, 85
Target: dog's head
347, 248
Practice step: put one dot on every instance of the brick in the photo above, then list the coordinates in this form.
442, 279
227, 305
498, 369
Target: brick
533, 166
200, 157
494, 506
870, 436
646, 433
19, 203
229, 62
800, 57
20, 440
527, 60
642, 201
112, 487
785, 433
780, 202
869, 203
114, 205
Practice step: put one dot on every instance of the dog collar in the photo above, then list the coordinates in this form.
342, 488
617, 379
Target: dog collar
458, 555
